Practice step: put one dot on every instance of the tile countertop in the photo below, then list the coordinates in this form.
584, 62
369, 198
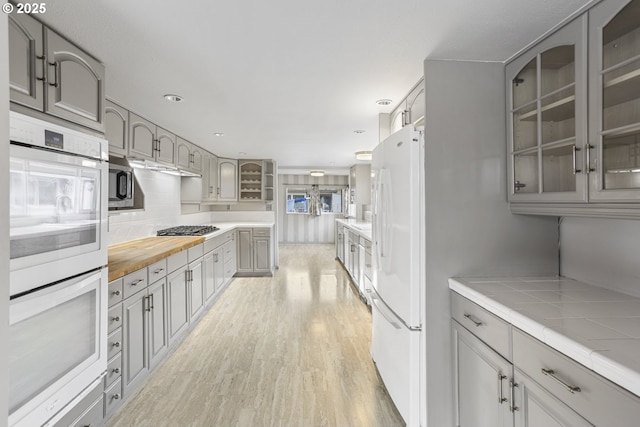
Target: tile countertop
362, 228
596, 327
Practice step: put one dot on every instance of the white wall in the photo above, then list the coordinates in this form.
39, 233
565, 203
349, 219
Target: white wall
162, 209
299, 228
469, 229
4, 216
602, 252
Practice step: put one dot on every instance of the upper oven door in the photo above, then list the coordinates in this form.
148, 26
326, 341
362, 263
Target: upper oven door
57, 216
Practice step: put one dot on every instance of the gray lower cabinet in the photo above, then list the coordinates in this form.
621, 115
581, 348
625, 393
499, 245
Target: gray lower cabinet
245, 250
178, 303
254, 250
145, 333
340, 243
537, 407
539, 387
196, 289
482, 382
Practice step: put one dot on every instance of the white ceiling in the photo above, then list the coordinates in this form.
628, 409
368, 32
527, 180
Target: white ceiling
288, 79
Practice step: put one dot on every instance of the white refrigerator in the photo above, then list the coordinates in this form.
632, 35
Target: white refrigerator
397, 296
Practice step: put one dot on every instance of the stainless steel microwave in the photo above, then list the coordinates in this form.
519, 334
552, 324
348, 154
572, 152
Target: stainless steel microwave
120, 186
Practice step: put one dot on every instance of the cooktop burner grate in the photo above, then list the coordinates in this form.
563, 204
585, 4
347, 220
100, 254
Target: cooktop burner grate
188, 230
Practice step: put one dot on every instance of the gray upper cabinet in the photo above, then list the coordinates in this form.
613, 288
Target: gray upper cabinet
546, 98
614, 101
189, 157
210, 184
165, 147
52, 75
26, 61
227, 180
150, 142
116, 129
573, 141
141, 138
75, 83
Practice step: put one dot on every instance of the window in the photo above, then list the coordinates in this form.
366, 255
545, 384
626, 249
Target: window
298, 199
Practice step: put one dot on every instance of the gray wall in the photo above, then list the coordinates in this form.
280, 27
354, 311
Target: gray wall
4, 215
602, 252
469, 229
298, 228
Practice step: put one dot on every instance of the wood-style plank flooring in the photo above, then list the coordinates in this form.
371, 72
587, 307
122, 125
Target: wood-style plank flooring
291, 350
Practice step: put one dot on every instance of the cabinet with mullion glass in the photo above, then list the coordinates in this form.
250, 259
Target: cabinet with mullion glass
614, 121
547, 128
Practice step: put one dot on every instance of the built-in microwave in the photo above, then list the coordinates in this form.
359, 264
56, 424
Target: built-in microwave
120, 186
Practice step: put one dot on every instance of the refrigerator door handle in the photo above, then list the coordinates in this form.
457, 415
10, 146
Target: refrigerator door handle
388, 313
382, 310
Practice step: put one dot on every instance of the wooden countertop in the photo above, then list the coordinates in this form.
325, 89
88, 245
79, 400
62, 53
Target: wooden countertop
127, 257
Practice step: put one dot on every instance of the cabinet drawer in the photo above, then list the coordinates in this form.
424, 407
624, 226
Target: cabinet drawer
115, 292
598, 400
157, 270
134, 282
486, 326
114, 343
114, 370
112, 397
114, 321
195, 252
93, 415
77, 412
213, 243
261, 232
176, 261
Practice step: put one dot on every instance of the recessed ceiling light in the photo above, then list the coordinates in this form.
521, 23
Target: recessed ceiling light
383, 102
317, 173
359, 131
218, 134
364, 155
173, 98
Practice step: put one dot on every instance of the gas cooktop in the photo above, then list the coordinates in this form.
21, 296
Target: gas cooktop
188, 230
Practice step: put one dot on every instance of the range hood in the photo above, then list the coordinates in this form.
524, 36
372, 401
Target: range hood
158, 167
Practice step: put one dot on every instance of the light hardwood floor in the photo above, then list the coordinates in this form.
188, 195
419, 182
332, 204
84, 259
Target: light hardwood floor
291, 350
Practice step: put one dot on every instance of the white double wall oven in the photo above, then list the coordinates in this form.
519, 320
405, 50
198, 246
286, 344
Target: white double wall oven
58, 276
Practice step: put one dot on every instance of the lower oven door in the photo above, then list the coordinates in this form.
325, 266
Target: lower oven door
57, 342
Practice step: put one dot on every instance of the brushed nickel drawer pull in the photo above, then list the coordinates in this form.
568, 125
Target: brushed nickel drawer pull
569, 387
475, 322
135, 283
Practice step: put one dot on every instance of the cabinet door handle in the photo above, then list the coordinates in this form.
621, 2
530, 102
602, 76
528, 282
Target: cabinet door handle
43, 58
574, 154
501, 398
570, 388
513, 407
55, 74
475, 322
150, 302
588, 148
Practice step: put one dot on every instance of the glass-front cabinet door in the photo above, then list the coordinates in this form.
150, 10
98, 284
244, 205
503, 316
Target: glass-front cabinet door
614, 117
546, 95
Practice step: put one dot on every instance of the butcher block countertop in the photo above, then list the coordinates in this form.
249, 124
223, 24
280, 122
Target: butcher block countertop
127, 257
